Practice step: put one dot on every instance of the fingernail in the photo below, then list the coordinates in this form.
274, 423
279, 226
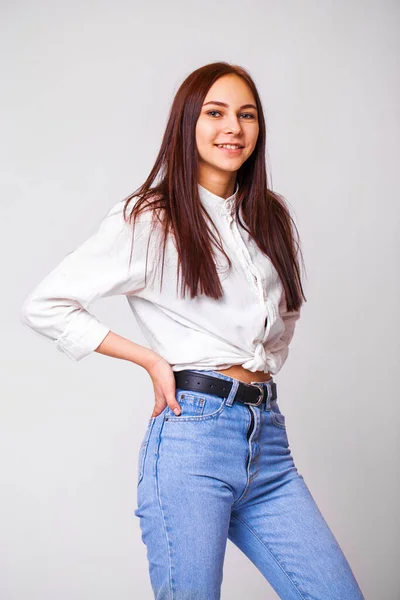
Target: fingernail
177, 411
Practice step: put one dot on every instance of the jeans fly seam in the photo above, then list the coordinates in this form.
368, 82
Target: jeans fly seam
235, 516
163, 516
246, 487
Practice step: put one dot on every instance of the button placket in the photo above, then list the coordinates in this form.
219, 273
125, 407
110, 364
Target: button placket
225, 210
248, 263
260, 353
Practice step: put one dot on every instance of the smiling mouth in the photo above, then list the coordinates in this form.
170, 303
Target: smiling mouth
230, 146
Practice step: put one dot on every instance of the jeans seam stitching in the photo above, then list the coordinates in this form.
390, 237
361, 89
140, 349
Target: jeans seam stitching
163, 517
198, 417
143, 452
235, 516
250, 456
277, 423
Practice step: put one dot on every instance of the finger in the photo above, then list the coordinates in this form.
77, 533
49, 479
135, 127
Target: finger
172, 401
158, 407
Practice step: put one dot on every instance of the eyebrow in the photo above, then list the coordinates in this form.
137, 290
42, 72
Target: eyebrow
226, 105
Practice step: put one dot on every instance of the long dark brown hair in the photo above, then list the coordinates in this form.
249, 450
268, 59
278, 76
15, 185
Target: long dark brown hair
176, 197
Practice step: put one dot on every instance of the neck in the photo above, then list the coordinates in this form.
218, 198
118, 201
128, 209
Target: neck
219, 186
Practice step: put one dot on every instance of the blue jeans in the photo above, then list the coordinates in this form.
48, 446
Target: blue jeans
223, 469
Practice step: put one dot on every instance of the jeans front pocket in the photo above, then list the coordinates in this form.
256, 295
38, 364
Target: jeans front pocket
195, 406
143, 451
277, 417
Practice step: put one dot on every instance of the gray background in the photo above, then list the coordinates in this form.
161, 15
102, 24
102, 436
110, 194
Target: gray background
86, 87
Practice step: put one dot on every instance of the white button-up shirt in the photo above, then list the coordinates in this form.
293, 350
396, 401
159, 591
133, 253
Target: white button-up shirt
248, 326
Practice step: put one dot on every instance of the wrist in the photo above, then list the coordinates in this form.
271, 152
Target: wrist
149, 359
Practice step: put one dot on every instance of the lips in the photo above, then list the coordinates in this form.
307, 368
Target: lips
236, 151
229, 144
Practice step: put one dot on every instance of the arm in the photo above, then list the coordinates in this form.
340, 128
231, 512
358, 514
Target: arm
58, 308
290, 320
280, 349
119, 347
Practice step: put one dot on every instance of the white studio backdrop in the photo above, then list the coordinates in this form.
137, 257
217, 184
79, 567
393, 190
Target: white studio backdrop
86, 88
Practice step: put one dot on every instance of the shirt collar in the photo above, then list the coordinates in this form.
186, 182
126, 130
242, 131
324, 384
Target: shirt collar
223, 205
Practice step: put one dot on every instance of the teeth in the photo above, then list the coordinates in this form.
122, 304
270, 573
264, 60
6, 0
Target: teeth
230, 146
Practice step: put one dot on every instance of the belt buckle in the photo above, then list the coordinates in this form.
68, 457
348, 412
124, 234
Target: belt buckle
261, 396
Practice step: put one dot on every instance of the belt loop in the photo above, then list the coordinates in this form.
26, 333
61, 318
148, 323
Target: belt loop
269, 395
232, 393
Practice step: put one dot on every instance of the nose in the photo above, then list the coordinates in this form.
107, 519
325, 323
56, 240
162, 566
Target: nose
233, 125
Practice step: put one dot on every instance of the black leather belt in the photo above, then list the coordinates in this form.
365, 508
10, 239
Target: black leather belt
247, 393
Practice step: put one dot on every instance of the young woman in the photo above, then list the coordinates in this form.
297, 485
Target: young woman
208, 260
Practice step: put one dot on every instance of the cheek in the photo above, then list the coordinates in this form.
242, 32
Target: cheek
255, 137
205, 145
206, 132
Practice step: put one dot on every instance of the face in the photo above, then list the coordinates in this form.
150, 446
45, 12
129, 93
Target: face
228, 116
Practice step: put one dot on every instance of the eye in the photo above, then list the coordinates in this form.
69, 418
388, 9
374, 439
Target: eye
217, 111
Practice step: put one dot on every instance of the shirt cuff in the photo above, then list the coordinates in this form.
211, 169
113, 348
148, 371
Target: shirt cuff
77, 342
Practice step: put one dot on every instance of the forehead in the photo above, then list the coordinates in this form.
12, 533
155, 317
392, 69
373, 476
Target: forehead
230, 88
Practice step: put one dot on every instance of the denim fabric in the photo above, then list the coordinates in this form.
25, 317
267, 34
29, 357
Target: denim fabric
209, 475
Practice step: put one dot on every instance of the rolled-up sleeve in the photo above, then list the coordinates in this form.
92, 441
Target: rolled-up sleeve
58, 308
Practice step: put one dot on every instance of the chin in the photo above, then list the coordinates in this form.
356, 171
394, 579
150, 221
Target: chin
230, 168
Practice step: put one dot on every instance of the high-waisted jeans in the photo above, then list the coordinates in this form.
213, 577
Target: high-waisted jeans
223, 469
